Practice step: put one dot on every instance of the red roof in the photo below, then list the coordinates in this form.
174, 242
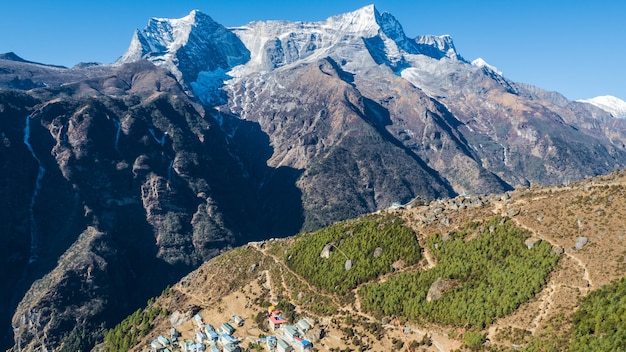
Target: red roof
278, 320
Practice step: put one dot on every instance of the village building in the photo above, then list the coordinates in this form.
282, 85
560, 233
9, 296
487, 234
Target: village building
190, 346
303, 345
226, 329
303, 326
211, 335
276, 320
163, 340
155, 344
290, 332
227, 340
237, 320
282, 346
271, 343
199, 321
231, 348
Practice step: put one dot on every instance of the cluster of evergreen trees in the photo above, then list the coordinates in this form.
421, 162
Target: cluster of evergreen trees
372, 244
600, 322
128, 333
493, 274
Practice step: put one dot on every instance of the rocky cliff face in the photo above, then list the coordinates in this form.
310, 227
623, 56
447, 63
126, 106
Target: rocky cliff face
111, 198
319, 123
121, 178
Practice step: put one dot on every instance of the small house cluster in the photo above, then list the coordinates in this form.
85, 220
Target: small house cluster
207, 338
292, 335
161, 344
287, 337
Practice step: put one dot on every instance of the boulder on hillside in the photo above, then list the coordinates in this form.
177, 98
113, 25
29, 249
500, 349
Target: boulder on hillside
532, 242
439, 287
581, 242
328, 248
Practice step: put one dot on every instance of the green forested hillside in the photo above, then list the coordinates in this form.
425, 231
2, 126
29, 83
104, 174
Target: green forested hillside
372, 244
600, 323
491, 275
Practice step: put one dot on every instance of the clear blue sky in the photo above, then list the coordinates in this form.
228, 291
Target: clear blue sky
577, 48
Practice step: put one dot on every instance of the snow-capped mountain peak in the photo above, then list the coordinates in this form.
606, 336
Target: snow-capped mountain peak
161, 35
610, 104
363, 21
204, 54
173, 33
480, 62
186, 46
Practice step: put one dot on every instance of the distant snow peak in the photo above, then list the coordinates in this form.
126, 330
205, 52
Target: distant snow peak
170, 34
186, 46
482, 63
369, 22
613, 105
363, 21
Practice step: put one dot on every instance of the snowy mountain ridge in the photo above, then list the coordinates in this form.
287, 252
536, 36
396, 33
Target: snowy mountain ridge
364, 21
610, 104
274, 44
204, 54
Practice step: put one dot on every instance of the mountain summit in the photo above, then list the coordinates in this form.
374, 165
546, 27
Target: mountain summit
610, 104
186, 46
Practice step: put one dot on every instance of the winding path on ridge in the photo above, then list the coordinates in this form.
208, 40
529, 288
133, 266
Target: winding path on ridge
546, 296
580, 263
441, 342
282, 264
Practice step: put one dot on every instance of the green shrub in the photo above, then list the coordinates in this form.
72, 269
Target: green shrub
128, 333
473, 340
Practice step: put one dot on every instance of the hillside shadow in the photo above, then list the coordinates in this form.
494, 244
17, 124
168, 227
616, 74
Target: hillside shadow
37, 240
378, 117
276, 208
